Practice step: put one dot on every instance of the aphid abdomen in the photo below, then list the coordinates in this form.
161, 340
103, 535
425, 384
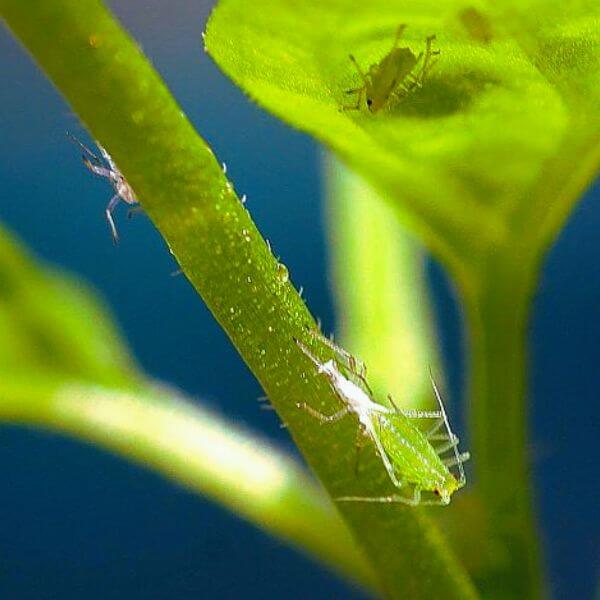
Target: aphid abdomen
388, 76
414, 459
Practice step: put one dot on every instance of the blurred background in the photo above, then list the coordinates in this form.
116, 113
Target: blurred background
77, 522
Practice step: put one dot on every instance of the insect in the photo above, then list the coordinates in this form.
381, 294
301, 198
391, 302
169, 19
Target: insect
393, 76
108, 169
477, 25
407, 453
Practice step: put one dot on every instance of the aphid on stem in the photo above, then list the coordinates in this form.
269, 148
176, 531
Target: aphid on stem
393, 76
407, 453
108, 169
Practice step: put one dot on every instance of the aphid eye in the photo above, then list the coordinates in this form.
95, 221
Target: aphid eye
436, 492
369, 101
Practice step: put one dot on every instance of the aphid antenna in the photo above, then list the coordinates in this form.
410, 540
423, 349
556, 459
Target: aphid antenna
459, 458
394, 405
84, 149
399, 32
359, 69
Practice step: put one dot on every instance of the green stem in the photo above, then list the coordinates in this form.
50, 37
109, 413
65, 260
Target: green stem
192, 446
497, 316
386, 319
126, 106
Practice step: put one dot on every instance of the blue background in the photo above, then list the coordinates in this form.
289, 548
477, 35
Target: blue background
77, 522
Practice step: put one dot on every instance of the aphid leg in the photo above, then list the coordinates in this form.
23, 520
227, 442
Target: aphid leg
386, 461
109, 208
394, 405
451, 443
430, 435
356, 366
399, 33
100, 171
394, 499
134, 210
428, 64
307, 353
108, 158
340, 414
440, 437
458, 460
360, 92
360, 71
264, 403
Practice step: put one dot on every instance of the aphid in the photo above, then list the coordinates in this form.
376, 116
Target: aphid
108, 169
407, 453
477, 25
393, 76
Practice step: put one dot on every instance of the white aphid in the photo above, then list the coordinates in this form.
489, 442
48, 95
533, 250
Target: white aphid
407, 453
109, 169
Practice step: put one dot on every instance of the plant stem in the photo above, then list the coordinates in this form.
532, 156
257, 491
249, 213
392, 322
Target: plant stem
497, 316
386, 319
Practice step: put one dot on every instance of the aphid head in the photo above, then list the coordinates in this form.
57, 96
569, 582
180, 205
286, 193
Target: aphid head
447, 488
375, 103
328, 368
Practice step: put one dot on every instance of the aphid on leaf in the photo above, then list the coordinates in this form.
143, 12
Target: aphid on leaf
411, 457
477, 25
108, 169
394, 76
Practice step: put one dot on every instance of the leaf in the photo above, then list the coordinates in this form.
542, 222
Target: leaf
52, 321
456, 156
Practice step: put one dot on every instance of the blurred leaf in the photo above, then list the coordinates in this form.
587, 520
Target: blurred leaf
53, 321
63, 366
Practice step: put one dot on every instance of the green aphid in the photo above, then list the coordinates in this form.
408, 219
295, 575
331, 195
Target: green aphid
407, 453
397, 74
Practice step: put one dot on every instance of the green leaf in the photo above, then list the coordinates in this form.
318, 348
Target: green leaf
480, 129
